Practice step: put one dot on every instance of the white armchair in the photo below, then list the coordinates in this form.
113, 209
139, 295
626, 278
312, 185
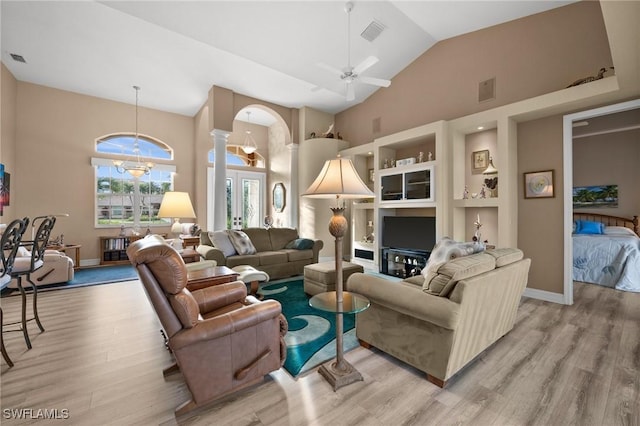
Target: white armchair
57, 267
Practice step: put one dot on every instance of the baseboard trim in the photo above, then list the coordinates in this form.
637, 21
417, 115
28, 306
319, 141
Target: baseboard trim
89, 262
547, 296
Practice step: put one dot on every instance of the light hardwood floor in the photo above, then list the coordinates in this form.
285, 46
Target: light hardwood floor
101, 358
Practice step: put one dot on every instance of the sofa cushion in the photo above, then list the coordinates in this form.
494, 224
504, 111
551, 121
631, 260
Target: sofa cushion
281, 236
445, 250
458, 269
259, 238
295, 255
221, 241
272, 257
241, 242
300, 244
505, 256
249, 259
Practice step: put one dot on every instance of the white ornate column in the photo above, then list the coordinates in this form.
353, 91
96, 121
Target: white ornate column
294, 193
219, 196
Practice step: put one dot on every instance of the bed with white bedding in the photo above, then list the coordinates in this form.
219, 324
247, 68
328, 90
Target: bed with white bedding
610, 257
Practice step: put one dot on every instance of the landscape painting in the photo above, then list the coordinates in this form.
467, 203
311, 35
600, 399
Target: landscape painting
595, 196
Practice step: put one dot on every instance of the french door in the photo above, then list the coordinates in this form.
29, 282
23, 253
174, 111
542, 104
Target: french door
245, 198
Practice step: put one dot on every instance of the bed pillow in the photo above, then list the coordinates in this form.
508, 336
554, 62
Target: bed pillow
618, 230
241, 242
589, 227
221, 241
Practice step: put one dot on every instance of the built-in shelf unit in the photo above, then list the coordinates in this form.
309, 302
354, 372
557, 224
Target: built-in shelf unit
417, 183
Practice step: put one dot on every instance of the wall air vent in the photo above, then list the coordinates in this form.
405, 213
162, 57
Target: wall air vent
18, 58
372, 31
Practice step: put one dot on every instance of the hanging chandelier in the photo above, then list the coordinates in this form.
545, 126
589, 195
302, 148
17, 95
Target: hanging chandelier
136, 167
249, 146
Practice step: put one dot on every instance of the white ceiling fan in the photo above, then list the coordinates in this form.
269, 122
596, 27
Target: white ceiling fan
352, 74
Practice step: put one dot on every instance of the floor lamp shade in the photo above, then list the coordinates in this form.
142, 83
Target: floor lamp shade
338, 179
176, 205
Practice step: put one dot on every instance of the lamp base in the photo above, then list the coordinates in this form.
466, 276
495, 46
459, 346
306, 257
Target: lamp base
339, 377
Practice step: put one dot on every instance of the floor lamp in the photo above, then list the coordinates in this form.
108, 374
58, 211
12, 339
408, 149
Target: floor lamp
338, 179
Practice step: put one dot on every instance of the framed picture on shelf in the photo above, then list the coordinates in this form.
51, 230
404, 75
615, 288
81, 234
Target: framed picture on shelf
538, 184
479, 161
370, 175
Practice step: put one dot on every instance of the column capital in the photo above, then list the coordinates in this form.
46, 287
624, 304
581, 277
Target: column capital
217, 133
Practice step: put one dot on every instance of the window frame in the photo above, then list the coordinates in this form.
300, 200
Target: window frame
124, 208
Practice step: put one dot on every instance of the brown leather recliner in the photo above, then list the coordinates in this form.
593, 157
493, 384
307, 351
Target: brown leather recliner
221, 339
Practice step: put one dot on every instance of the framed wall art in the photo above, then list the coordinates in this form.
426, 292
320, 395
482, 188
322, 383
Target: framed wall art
594, 196
538, 184
479, 161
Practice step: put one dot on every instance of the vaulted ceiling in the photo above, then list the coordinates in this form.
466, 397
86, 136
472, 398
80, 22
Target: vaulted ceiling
176, 51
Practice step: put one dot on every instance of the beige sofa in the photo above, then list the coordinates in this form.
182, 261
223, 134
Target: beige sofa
271, 257
441, 334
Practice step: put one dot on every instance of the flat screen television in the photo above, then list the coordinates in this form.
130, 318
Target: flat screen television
409, 232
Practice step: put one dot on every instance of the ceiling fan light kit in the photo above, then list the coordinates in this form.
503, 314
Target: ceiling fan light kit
351, 74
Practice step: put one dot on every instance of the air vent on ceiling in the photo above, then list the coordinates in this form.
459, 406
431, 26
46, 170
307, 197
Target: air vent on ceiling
372, 31
18, 58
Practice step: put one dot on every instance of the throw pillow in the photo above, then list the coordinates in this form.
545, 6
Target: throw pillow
241, 242
221, 241
589, 227
445, 250
300, 244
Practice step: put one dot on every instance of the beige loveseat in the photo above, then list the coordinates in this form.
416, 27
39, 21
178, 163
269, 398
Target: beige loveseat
272, 255
440, 334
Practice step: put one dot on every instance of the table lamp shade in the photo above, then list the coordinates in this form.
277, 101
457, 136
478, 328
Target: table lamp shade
176, 205
338, 177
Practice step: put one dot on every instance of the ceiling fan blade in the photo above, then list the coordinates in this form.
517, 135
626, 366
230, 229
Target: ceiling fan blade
329, 68
365, 65
375, 81
351, 93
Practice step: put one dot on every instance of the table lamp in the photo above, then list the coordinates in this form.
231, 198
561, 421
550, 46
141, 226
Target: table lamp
338, 179
176, 205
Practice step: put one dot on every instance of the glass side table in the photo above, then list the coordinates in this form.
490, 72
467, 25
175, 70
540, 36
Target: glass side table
352, 303
339, 372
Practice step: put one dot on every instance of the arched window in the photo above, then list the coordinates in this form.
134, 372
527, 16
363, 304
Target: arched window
123, 200
237, 157
125, 144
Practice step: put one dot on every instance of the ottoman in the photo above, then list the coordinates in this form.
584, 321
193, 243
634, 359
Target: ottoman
250, 275
321, 277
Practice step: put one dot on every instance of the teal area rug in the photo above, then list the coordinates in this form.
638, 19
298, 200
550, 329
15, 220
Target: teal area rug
87, 277
311, 337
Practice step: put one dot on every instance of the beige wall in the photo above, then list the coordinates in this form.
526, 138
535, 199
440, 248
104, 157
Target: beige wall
56, 132
540, 220
8, 90
528, 57
611, 159
279, 171
203, 143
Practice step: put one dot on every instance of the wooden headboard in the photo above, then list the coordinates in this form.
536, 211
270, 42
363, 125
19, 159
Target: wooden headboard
609, 220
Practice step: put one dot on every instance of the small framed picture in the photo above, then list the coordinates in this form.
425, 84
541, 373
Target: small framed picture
479, 161
370, 175
538, 184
